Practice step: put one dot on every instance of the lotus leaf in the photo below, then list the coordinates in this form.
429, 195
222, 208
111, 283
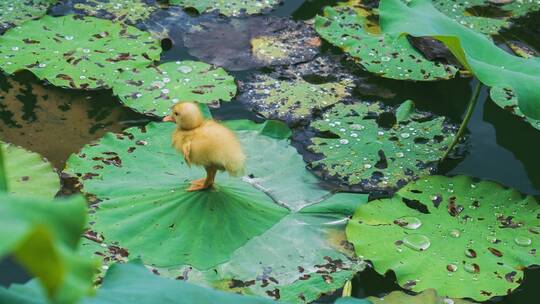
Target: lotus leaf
42, 236
15, 12
229, 7
252, 240
242, 44
127, 11
76, 52
372, 149
476, 236
464, 13
297, 260
128, 283
390, 56
490, 64
27, 173
506, 99
154, 90
287, 96
429, 296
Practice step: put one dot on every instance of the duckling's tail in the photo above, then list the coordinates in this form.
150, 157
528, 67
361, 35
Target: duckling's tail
235, 165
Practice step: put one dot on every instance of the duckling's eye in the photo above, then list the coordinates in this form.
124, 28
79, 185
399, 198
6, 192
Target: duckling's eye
175, 113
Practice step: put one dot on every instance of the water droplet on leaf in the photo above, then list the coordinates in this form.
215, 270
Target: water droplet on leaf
417, 242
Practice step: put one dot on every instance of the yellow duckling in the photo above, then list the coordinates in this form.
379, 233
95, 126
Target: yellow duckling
205, 143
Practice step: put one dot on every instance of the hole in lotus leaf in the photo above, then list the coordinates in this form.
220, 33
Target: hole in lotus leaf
386, 120
464, 261
166, 44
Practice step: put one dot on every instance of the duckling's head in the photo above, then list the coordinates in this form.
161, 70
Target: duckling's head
186, 115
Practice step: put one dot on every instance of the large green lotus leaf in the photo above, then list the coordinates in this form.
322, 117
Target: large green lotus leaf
27, 173
42, 236
360, 152
387, 55
228, 7
490, 64
154, 90
297, 260
145, 200
463, 11
15, 12
476, 236
243, 44
76, 52
506, 99
285, 95
429, 296
126, 11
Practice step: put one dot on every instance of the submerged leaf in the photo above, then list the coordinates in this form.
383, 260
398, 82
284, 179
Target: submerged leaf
490, 64
229, 7
153, 90
285, 95
476, 237
15, 12
365, 145
27, 173
76, 52
389, 56
242, 44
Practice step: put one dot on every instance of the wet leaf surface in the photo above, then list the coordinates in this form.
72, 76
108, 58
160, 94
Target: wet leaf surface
229, 7
285, 94
241, 44
153, 90
15, 12
486, 17
390, 56
366, 146
27, 173
130, 12
476, 241
76, 52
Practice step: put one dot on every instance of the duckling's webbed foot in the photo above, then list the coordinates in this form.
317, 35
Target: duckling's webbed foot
204, 183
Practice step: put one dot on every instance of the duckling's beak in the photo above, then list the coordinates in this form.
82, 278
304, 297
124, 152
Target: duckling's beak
168, 118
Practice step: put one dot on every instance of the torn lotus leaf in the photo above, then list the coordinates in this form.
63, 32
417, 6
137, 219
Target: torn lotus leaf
15, 12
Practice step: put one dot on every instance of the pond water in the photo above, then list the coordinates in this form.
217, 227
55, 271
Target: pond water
57, 122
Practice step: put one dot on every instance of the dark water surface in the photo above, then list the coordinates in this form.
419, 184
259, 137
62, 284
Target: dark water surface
57, 122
